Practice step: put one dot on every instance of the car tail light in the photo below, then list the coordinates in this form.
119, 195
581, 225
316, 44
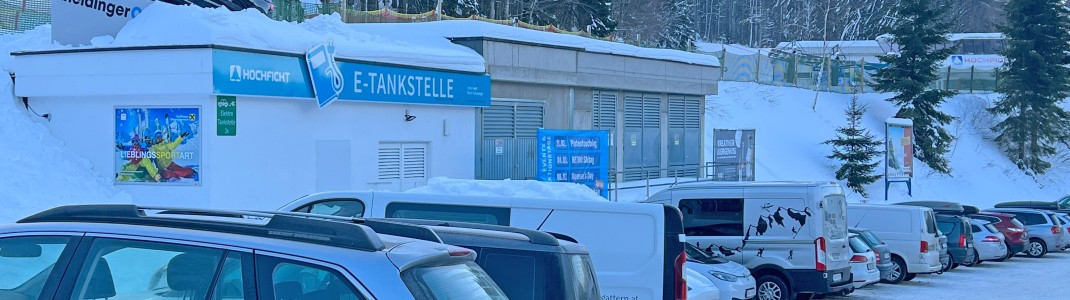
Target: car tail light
962, 241
1055, 230
820, 247
461, 252
877, 255
681, 284
991, 238
859, 259
924, 247
1067, 229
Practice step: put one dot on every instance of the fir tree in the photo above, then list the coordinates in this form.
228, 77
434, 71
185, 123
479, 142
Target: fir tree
679, 30
1033, 82
920, 36
857, 149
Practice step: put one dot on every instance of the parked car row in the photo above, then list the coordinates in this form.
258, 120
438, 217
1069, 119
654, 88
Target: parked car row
703, 240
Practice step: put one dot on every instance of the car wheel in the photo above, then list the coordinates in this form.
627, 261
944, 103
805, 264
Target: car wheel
910, 277
947, 266
975, 261
771, 287
898, 273
1036, 248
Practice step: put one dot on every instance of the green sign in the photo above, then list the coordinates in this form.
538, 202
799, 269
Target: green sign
226, 123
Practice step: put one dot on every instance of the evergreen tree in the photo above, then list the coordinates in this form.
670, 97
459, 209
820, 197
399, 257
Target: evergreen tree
460, 8
679, 30
1033, 82
573, 15
857, 149
920, 36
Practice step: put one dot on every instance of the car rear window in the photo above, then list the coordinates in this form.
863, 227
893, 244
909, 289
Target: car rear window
946, 227
835, 217
872, 238
991, 228
858, 245
975, 228
451, 281
1017, 223
582, 285
1054, 219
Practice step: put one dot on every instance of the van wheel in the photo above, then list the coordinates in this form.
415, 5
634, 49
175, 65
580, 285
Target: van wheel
771, 287
898, 273
910, 276
1037, 248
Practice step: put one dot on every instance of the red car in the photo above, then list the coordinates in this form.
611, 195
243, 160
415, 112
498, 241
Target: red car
1010, 227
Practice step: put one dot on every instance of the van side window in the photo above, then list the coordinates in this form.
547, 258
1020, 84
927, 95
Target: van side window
335, 207
712, 217
459, 213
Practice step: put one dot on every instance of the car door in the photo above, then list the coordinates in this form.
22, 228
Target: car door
28, 263
133, 267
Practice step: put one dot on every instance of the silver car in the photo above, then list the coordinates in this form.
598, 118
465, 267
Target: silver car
130, 252
1046, 232
733, 279
988, 242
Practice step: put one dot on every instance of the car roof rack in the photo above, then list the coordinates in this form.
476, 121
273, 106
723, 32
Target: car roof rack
535, 236
563, 237
278, 226
380, 225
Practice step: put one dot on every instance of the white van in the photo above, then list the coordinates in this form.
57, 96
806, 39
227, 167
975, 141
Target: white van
909, 231
637, 249
791, 235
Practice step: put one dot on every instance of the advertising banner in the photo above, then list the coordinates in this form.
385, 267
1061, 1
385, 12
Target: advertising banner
579, 156
158, 145
77, 22
900, 152
255, 74
733, 155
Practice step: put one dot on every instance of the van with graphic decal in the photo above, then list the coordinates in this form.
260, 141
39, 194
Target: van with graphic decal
791, 235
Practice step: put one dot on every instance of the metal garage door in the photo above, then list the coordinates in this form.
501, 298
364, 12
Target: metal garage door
403, 166
510, 131
604, 117
642, 136
685, 129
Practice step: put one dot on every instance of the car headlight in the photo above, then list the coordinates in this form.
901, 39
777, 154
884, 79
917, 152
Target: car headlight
724, 276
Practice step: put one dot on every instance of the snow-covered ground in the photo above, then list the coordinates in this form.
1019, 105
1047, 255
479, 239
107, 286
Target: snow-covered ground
789, 133
508, 188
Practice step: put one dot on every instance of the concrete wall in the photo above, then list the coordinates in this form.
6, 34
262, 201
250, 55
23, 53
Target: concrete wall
284, 148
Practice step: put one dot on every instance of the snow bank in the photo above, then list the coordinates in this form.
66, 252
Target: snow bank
508, 188
37, 171
472, 28
790, 132
167, 24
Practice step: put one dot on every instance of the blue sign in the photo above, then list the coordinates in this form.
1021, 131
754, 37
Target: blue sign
580, 156
242, 73
326, 77
254, 74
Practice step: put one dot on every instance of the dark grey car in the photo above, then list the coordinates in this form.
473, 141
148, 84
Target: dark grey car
880, 249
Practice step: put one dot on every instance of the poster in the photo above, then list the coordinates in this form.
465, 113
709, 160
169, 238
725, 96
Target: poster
733, 155
900, 152
158, 145
580, 156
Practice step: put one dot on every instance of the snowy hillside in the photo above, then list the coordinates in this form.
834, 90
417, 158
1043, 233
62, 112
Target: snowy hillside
790, 132
38, 172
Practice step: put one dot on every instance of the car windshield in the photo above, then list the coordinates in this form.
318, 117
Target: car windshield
451, 280
858, 245
696, 254
582, 285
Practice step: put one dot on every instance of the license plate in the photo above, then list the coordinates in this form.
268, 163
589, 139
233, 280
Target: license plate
837, 277
749, 293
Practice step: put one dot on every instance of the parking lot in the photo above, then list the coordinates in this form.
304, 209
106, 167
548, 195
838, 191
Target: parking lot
1018, 278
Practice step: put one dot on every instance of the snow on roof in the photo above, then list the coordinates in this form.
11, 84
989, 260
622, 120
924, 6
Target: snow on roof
736, 49
847, 47
508, 188
976, 36
167, 24
472, 28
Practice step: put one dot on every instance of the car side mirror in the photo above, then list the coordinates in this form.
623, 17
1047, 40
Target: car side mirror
21, 251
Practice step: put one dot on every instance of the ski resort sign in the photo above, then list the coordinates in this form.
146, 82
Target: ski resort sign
77, 22
899, 153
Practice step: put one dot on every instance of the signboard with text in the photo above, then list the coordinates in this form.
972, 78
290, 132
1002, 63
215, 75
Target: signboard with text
579, 156
733, 155
898, 153
77, 22
158, 145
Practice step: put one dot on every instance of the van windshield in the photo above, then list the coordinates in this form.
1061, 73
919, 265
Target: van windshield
835, 217
451, 280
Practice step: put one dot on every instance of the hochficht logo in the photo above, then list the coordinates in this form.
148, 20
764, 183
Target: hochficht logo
239, 74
